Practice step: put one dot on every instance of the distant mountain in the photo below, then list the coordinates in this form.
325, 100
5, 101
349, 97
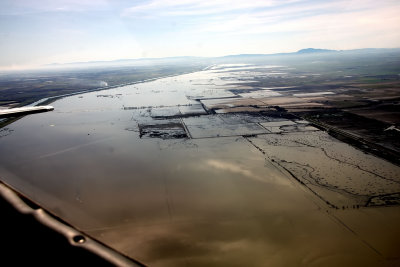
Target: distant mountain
302, 51
314, 50
216, 60
170, 59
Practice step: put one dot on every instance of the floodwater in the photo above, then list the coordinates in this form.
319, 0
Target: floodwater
148, 171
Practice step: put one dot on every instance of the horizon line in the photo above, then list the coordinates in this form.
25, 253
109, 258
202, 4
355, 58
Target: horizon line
49, 66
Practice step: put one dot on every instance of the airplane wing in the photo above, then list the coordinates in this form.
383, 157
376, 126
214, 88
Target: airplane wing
13, 112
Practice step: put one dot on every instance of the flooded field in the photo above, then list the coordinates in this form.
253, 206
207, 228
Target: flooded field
204, 169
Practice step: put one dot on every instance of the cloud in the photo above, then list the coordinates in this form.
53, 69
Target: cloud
337, 21
35, 31
21, 7
159, 8
300, 18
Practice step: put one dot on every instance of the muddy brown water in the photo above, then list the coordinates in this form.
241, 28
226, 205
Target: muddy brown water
221, 199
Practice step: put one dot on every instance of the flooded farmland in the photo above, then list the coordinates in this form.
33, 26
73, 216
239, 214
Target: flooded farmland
205, 169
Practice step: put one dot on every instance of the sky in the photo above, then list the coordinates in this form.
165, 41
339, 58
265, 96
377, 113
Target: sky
38, 32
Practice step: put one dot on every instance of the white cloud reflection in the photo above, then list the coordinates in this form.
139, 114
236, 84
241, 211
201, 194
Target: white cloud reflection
269, 176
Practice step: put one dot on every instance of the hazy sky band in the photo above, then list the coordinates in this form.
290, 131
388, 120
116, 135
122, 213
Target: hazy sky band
41, 32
